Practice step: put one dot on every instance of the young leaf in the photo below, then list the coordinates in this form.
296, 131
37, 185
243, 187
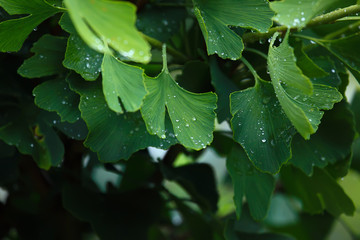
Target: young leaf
330, 144
293, 89
293, 13
55, 95
47, 60
192, 115
122, 81
14, 32
215, 16
111, 135
256, 186
101, 23
318, 192
261, 126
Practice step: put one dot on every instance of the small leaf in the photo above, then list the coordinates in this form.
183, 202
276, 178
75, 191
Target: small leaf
293, 13
215, 16
91, 19
14, 32
330, 144
261, 126
192, 115
82, 59
111, 135
47, 60
55, 95
122, 81
294, 90
318, 192
248, 182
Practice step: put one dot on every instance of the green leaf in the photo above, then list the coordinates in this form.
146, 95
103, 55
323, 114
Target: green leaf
248, 182
91, 19
293, 13
318, 192
224, 87
160, 23
122, 81
77, 130
215, 17
330, 144
82, 59
29, 130
261, 126
192, 115
111, 135
14, 32
55, 95
345, 49
47, 60
293, 89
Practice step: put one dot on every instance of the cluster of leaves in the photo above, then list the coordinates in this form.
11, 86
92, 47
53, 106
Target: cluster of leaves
111, 80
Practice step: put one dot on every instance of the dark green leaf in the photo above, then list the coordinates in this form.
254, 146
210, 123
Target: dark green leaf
113, 136
248, 182
14, 32
47, 60
318, 192
77, 130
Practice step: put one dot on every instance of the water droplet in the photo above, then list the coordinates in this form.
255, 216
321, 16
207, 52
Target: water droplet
194, 119
263, 140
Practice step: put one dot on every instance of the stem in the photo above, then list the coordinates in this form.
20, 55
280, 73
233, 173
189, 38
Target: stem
322, 19
252, 70
172, 51
164, 58
257, 52
342, 30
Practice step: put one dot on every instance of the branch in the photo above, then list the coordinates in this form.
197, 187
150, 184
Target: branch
319, 20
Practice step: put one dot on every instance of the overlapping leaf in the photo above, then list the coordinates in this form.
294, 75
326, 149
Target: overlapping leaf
330, 144
55, 95
261, 126
215, 17
318, 192
122, 81
14, 32
300, 100
101, 23
47, 60
111, 135
192, 115
248, 182
294, 13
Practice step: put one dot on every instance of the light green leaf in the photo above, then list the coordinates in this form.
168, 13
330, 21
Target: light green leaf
82, 59
318, 192
261, 126
101, 23
295, 13
215, 17
47, 60
113, 136
192, 115
293, 89
14, 32
122, 81
248, 182
55, 95
330, 144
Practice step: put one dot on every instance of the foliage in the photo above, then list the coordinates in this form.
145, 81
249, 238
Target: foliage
180, 119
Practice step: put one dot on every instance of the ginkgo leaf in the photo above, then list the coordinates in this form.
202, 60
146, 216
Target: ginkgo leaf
295, 13
192, 115
47, 60
101, 23
14, 32
113, 136
261, 126
248, 182
299, 98
215, 17
123, 81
